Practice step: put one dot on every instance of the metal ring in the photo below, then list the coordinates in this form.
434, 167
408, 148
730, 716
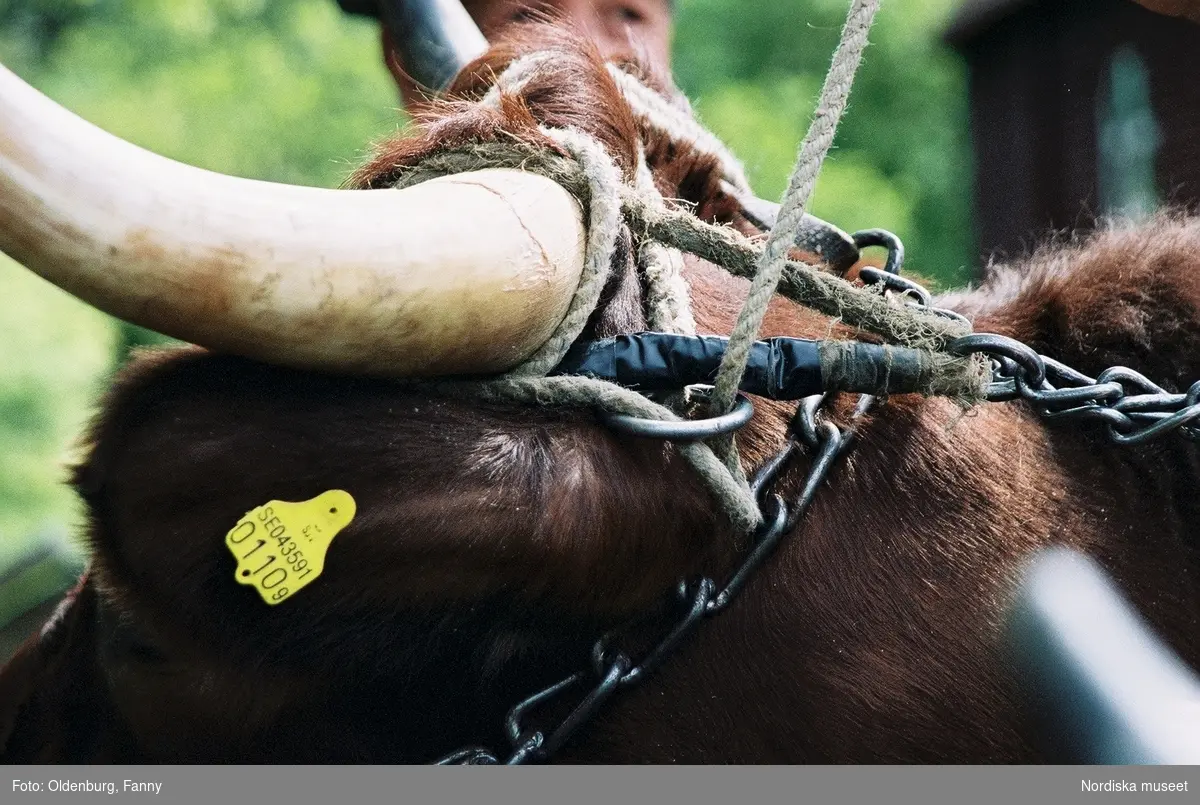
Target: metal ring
895, 282
954, 316
888, 240
993, 344
686, 430
1125, 375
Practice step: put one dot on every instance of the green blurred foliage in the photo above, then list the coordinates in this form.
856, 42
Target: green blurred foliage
56, 352
902, 158
293, 91
284, 90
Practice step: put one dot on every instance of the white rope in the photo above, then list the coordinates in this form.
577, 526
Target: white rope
604, 222
832, 103
668, 302
678, 124
668, 299
517, 76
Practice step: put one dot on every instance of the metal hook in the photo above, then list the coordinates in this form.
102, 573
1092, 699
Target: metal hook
687, 430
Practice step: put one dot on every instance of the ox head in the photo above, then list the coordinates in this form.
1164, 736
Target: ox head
488, 539
492, 543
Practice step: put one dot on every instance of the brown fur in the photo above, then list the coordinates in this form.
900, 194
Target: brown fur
578, 94
494, 542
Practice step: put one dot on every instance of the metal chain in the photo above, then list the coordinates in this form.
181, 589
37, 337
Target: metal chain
1135, 410
612, 668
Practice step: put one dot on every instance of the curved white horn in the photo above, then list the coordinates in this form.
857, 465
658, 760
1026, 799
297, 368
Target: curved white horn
463, 274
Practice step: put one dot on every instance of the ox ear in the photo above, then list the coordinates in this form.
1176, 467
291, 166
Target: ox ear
51, 681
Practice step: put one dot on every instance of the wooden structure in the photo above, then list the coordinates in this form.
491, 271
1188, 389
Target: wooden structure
1079, 108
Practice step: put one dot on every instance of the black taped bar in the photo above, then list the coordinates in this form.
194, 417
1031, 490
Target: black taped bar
779, 368
875, 368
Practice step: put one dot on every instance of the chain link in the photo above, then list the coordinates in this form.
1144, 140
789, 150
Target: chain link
611, 667
1134, 409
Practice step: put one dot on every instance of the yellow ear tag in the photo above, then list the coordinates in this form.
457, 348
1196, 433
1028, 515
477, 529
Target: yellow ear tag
280, 547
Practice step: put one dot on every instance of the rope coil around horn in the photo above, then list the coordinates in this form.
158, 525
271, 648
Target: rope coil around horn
589, 173
652, 220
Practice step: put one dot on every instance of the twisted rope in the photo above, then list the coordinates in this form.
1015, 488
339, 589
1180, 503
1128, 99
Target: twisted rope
663, 233
516, 76
668, 303
603, 227
677, 123
771, 264
806, 285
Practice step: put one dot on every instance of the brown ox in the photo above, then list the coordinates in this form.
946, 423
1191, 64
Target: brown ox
493, 543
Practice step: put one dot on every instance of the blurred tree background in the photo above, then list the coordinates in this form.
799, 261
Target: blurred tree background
293, 91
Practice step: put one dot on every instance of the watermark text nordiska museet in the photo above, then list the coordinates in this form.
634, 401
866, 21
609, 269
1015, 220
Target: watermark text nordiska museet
1108, 786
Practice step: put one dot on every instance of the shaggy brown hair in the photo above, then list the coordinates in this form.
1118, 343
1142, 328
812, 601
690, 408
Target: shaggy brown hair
494, 542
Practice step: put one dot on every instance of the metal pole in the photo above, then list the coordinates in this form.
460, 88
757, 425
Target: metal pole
436, 38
